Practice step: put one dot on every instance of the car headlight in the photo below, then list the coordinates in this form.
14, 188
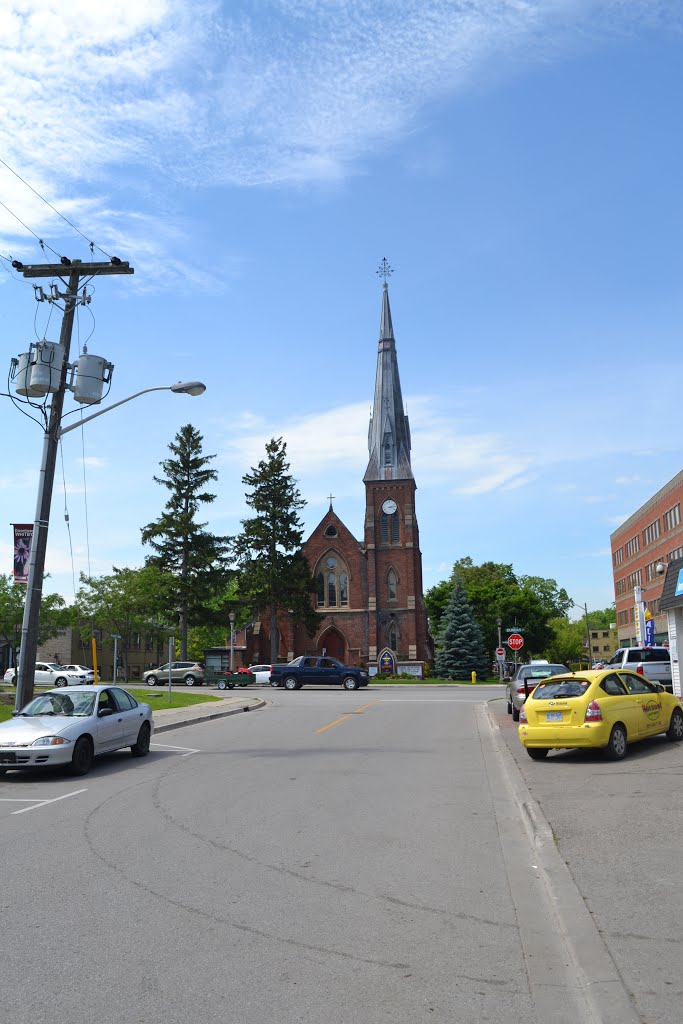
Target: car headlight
50, 741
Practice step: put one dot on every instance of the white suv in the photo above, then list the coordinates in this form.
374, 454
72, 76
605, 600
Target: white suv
652, 662
50, 674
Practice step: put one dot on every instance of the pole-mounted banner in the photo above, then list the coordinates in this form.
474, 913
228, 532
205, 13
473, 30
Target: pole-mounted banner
23, 535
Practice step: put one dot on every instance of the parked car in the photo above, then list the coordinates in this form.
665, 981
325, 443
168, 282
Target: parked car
49, 674
189, 672
262, 673
604, 709
89, 673
524, 680
652, 662
316, 671
72, 728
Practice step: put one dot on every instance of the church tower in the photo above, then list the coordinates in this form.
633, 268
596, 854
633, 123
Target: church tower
397, 618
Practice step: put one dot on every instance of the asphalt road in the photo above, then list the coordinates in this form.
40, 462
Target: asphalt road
341, 857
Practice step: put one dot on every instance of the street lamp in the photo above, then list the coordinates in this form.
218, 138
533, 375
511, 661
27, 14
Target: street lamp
231, 616
584, 609
36, 570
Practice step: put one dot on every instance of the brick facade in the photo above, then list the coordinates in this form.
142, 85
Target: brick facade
652, 534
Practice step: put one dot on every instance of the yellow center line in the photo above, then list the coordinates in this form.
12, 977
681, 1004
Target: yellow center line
344, 717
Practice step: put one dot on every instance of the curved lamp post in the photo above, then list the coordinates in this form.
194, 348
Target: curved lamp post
36, 570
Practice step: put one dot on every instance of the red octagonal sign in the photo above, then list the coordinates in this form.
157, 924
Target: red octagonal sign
515, 642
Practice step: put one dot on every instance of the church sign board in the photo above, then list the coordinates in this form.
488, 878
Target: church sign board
386, 662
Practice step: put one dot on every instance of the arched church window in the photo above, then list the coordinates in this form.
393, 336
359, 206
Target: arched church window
391, 580
331, 582
331, 530
393, 639
387, 449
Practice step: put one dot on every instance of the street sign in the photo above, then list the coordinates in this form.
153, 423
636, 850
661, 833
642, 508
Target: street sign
500, 653
515, 629
515, 642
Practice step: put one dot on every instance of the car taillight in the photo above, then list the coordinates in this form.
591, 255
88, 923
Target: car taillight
520, 690
522, 714
593, 712
640, 670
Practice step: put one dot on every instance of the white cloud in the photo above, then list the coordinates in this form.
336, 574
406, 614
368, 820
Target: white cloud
286, 91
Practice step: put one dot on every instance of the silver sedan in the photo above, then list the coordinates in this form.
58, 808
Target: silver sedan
71, 728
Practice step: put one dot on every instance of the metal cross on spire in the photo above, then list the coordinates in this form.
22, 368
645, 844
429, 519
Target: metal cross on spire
331, 497
384, 271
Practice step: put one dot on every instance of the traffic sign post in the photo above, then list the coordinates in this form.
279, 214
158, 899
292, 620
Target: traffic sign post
500, 653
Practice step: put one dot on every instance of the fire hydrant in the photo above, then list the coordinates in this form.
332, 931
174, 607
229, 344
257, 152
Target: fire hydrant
474, 677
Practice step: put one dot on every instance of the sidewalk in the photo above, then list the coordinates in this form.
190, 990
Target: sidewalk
174, 718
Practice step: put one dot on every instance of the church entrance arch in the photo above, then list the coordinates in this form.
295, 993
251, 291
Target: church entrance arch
332, 644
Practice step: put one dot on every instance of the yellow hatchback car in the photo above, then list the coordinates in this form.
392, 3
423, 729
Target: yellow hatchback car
605, 709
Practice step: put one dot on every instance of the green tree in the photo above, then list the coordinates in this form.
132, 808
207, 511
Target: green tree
54, 614
568, 641
460, 645
436, 600
272, 572
128, 602
193, 561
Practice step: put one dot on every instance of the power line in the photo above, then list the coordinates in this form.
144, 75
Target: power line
31, 231
92, 244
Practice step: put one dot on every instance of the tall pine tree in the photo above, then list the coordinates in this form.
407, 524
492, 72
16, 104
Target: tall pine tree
460, 645
192, 560
272, 572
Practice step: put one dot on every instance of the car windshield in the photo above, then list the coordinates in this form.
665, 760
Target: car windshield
558, 688
68, 705
55, 667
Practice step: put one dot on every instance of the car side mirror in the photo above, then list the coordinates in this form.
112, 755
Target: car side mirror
15, 712
507, 679
105, 712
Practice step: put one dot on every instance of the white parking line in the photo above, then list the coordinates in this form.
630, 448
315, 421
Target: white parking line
169, 746
43, 803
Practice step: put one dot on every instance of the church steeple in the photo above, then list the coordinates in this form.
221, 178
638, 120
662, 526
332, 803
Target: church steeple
389, 432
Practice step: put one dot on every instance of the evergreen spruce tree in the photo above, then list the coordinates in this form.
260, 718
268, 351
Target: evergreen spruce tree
272, 572
192, 560
461, 648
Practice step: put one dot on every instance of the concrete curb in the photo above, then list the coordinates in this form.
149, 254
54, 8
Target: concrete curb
210, 712
595, 975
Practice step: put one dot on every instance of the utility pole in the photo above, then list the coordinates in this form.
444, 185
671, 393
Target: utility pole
34, 587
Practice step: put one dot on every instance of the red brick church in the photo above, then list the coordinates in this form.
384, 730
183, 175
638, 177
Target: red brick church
369, 592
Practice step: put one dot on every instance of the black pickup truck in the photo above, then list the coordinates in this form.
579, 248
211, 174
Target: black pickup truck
314, 671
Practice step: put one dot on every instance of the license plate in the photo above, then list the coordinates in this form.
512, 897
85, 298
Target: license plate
553, 716
8, 757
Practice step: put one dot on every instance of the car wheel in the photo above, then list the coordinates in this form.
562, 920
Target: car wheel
189, 680
141, 748
537, 753
509, 708
291, 683
222, 685
515, 713
151, 680
349, 683
61, 681
675, 730
616, 745
14, 681
274, 683
82, 757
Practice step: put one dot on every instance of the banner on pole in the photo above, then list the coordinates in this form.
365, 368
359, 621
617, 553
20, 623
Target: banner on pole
23, 535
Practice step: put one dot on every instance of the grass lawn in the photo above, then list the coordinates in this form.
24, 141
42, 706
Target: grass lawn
158, 697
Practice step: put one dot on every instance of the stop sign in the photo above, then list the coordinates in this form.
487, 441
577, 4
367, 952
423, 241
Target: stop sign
515, 642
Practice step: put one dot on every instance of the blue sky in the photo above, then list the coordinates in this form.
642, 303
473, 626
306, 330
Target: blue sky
518, 164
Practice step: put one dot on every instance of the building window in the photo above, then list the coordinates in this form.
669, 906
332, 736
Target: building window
387, 449
651, 533
389, 528
673, 555
331, 582
633, 546
618, 556
623, 618
621, 586
635, 579
331, 531
672, 517
391, 580
393, 639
